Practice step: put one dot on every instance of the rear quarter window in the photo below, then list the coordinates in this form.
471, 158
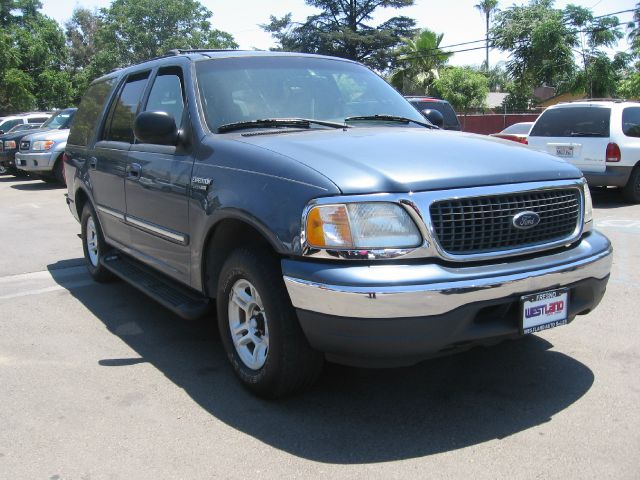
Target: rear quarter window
573, 122
631, 121
87, 117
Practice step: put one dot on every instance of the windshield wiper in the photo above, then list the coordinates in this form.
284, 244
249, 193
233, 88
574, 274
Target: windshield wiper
279, 122
389, 118
586, 134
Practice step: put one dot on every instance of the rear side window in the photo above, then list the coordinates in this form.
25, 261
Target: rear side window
88, 114
573, 122
37, 119
166, 96
631, 121
124, 110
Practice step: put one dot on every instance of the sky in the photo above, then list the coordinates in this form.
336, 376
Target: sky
457, 19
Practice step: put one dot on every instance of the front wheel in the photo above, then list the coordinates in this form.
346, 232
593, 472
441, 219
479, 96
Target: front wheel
631, 191
93, 244
259, 328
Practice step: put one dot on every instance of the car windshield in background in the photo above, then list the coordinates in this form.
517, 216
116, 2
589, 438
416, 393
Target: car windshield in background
573, 122
60, 120
450, 119
244, 89
518, 128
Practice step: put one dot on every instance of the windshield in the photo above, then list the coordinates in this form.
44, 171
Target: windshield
60, 120
585, 121
252, 88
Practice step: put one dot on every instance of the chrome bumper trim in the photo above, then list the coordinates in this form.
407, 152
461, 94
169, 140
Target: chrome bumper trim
451, 288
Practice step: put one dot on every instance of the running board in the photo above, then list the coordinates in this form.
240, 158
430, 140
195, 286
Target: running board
182, 301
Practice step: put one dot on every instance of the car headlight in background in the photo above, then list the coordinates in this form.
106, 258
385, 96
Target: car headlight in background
40, 145
588, 205
9, 144
371, 225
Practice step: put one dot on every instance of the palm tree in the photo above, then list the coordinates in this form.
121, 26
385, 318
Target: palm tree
419, 58
488, 8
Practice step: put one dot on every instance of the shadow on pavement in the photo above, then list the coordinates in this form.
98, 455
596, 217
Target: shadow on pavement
351, 415
607, 198
41, 185
11, 178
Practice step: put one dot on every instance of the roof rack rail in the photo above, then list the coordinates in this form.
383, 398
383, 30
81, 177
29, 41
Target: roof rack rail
181, 51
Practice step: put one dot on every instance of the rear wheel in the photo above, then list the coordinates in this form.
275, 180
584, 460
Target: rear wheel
93, 245
631, 191
259, 328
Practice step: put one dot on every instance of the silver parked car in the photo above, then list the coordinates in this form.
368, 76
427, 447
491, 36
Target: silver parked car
41, 153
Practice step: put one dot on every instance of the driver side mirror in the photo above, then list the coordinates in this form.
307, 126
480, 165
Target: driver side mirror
156, 127
434, 117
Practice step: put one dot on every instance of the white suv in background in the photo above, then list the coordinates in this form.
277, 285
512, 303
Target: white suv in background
600, 137
7, 123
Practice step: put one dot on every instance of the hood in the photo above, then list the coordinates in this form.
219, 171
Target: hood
23, 133
400, 159
51, 134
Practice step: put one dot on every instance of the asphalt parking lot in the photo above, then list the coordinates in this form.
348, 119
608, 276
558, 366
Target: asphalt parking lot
97, 381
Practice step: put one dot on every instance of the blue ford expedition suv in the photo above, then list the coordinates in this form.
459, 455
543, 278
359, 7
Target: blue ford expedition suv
308, 208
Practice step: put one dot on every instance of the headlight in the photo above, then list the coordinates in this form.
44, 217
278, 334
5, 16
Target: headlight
42, 145
372, 225
588, 205
9, 144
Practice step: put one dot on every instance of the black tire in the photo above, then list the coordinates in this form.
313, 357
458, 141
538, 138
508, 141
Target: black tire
291, 365
58, 172
96, 269
631, 191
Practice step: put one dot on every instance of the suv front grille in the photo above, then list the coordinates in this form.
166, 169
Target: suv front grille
485, 224
25, 144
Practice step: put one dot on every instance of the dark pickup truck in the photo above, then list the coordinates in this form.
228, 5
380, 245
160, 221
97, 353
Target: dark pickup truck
321, 216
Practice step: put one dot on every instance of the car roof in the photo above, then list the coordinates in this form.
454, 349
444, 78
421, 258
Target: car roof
188, 56
595, 103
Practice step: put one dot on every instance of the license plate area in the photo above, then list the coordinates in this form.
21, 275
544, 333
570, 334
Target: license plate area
564, 151
544, 310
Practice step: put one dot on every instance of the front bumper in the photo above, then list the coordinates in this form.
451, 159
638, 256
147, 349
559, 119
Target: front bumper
613, 176
7, 159
35, 162
399, 314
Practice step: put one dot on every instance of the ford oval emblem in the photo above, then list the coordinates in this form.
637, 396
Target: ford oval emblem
526, 220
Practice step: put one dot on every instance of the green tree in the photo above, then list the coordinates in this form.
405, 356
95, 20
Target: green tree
419, 60
32, 60
539, 41
629, 87
81, 32
634, 30
132, 31
519, 97
342, 29
487, 8
463, 87
599, 74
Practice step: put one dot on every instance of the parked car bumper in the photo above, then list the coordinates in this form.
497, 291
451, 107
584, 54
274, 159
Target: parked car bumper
389, 315
40, 162
7, 159
613, 176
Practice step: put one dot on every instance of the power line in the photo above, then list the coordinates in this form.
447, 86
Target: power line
483, 40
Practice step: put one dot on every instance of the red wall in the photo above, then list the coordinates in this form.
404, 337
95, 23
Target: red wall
493, 123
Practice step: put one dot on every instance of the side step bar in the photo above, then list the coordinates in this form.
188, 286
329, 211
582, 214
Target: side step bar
182, 301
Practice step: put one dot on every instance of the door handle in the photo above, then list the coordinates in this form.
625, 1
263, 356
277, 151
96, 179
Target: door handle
134, 171
93, 163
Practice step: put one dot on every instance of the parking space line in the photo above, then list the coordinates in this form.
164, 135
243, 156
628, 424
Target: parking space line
37, 283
